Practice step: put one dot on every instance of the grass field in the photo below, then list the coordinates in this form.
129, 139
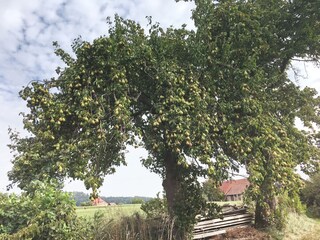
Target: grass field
111, 212
119, 211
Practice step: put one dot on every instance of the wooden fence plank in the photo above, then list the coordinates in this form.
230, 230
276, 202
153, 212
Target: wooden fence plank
206, 235
224, 225
232, 217
213, 221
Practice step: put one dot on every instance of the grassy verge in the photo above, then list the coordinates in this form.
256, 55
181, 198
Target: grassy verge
301, 227
298, 227
110, 212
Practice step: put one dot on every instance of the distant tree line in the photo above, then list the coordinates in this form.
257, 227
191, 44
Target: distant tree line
82, 198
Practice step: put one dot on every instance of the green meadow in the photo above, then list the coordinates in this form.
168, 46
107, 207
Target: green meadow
111, 212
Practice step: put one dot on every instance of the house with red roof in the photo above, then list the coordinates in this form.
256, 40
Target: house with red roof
233, 190
99, 202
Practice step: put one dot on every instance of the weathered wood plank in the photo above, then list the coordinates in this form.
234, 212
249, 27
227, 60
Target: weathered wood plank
223, 225
217, 220
229, 210
233, 217
242, 210
222, 221
210, 234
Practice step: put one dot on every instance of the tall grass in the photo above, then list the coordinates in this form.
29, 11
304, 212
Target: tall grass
301, 227
298, 226
125, 222
135, 227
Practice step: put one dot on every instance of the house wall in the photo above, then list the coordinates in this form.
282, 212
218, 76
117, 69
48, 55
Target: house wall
237, 197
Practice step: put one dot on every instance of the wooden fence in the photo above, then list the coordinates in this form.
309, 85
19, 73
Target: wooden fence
232, 217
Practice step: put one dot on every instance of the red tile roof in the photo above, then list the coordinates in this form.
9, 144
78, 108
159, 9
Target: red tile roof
234, 187
98, 201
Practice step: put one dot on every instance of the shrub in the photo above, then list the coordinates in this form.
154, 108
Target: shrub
137, 200
43, 213
287, 203
155, 208
86, 204
211, 192
310, 195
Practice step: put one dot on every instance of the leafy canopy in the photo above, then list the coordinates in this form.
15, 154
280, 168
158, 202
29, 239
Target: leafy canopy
202, 102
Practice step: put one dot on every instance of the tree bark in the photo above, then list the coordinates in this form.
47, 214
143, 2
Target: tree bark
171, 184
260, 216
171, 181
265, 210
264, 214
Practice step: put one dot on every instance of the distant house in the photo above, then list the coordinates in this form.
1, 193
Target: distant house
233, 190
99, 202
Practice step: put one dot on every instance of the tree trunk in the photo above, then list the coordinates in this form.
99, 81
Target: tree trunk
171, 185
260, 216
171, 181
265, 210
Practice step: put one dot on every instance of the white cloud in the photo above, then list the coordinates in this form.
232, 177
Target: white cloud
27, 30
10, 108
305, 74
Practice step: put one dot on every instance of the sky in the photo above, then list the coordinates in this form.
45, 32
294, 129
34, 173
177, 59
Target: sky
27, 30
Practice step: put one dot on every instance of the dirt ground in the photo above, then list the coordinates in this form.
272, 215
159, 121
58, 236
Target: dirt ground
247, 233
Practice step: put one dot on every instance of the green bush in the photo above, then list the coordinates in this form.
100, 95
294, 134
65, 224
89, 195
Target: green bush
41, 213
211, 192
85, 204
155, 208
137, 200
310, 195
287, 203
